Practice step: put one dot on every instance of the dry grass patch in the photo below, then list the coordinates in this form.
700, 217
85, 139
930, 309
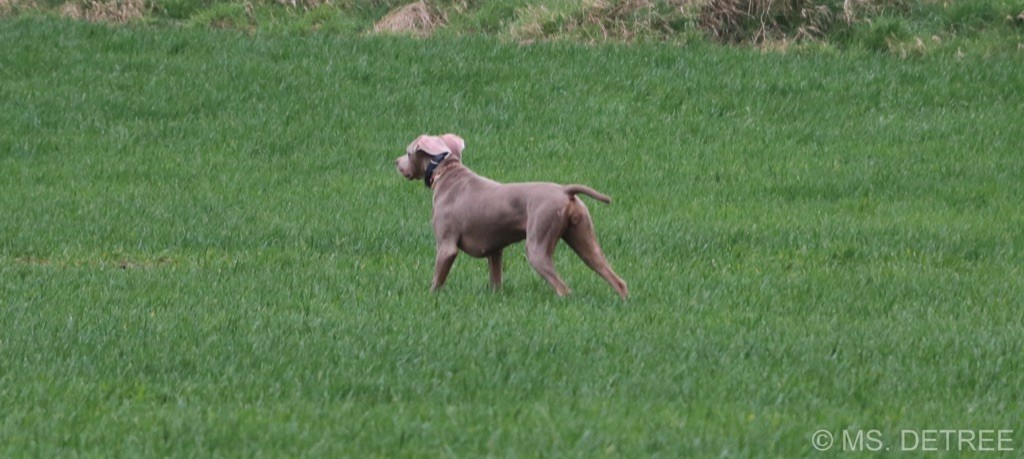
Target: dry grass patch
8, 7
628, 19
305, 4
117, 11
761, 21
597, 21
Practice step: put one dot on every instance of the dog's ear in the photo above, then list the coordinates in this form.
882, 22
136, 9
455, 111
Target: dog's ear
455, 143
428, 144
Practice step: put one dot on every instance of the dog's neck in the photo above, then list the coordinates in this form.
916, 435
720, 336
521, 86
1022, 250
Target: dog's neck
434, 170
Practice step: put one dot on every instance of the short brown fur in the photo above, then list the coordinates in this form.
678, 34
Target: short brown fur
481, 217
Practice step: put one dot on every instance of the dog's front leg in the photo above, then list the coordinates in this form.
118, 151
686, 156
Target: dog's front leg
446, 254
494, 263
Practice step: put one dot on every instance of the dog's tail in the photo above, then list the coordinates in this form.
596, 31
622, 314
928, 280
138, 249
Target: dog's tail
573, 190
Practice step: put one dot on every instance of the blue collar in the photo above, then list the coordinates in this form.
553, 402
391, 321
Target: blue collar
428, 178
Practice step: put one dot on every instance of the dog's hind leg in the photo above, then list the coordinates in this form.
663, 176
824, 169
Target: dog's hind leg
581, 238
541, 237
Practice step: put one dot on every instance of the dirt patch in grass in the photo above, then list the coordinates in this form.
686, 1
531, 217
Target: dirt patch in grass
415, 18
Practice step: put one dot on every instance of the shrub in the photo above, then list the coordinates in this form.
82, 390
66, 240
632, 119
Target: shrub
758, 21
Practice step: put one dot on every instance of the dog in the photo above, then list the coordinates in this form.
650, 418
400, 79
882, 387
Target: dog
481, 216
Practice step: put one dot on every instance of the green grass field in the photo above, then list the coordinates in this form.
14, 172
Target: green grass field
205, 249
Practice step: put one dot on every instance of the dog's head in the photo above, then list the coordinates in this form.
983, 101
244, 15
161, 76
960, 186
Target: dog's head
413, 164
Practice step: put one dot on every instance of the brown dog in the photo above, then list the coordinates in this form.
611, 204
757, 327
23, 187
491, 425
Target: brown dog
482, 217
